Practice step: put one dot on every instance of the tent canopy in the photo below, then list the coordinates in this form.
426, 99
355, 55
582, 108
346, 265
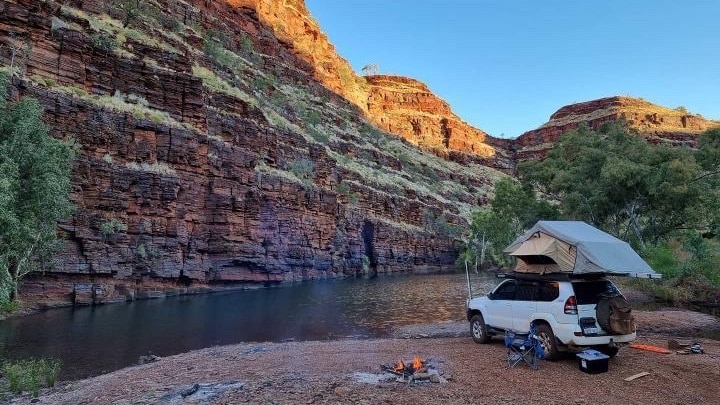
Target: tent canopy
575, 247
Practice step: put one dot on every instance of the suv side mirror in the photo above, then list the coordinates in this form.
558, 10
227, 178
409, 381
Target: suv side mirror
491, 296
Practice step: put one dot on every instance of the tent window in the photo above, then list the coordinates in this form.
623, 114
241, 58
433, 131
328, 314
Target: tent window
537, 259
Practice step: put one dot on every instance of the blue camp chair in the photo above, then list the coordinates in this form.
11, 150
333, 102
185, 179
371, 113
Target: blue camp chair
523, 348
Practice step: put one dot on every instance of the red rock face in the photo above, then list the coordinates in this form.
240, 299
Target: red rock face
657, 124
399, 105
405, 106
184, 188
243, 163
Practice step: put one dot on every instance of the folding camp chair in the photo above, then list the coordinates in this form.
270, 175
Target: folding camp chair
523, 348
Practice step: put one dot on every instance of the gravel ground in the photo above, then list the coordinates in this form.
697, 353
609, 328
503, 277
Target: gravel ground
348, 371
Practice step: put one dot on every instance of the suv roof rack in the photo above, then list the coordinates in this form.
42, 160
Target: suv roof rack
550, 277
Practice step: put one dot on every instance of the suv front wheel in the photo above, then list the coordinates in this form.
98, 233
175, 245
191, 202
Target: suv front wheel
479, 329
547, 339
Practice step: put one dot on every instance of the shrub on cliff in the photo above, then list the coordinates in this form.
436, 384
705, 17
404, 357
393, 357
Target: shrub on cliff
34, 188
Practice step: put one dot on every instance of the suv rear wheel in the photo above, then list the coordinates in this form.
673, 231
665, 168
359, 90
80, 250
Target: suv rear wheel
547, 339
479, 329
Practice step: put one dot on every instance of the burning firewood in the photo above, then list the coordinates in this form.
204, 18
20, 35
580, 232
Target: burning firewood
416, 371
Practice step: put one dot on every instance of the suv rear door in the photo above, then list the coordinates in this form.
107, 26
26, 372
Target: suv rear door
587, 295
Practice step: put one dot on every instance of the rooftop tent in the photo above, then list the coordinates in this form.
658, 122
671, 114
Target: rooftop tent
575, 247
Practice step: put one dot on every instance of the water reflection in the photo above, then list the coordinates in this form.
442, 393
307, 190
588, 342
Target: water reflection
95, 340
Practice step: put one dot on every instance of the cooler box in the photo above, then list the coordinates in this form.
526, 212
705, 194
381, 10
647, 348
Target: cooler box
592, 361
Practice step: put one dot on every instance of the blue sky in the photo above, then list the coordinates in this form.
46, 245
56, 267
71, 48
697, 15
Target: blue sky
505, 66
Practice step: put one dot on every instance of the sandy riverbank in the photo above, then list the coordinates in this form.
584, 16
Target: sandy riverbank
331, 372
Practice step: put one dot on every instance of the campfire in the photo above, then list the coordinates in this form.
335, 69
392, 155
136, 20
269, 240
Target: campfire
414, 371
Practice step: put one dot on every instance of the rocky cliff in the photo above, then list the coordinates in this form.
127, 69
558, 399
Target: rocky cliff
226, 144
399, 105
658, 124
211, 156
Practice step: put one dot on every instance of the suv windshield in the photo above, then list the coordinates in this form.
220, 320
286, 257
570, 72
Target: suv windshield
588, 292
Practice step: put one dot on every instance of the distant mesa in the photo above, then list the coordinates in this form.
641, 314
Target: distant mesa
656, 123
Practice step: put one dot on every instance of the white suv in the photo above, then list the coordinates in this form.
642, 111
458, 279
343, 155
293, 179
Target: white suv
563, 309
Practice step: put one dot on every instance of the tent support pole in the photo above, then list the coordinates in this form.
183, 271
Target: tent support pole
467, 275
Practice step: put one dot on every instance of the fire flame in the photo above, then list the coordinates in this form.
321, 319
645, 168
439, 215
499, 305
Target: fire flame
415, 366
417, 363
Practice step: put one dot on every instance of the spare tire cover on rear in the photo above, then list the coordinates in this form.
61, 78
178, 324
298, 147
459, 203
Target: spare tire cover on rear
613, 314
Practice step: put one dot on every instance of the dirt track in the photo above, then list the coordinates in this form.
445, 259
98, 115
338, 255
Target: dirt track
338, 372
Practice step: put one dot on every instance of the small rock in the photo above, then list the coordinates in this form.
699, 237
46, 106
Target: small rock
148, 359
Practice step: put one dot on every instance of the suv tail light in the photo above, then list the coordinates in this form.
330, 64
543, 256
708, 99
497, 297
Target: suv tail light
571, 305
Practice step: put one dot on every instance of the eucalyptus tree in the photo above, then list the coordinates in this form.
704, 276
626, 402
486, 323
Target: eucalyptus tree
34, 189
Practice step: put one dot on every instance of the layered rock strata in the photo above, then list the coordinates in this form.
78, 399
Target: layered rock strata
397, 104
211, 157
656, 123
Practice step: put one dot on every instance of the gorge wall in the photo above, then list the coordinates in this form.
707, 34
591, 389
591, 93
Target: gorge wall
212, 157
226, 144
396, 104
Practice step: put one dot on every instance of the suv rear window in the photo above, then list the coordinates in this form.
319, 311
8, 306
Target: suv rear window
588, 292
548, 291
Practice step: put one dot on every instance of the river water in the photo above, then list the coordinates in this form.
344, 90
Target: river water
94, 340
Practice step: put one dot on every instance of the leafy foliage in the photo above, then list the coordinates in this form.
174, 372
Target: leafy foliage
110, 227
34, 188
103, 42
622, 184
514, 209
664, 200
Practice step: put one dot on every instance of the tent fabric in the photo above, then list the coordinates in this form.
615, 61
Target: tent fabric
541, 244
589, 249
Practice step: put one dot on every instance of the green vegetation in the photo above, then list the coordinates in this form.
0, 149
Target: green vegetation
103, 42
303, 169
514, 209
105, 28
34, 190
132, 104
641, 192
665, 201
30, 375
318, 136
441, 225
110, 227
217, 84
131, 9
58, 24
343, 188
